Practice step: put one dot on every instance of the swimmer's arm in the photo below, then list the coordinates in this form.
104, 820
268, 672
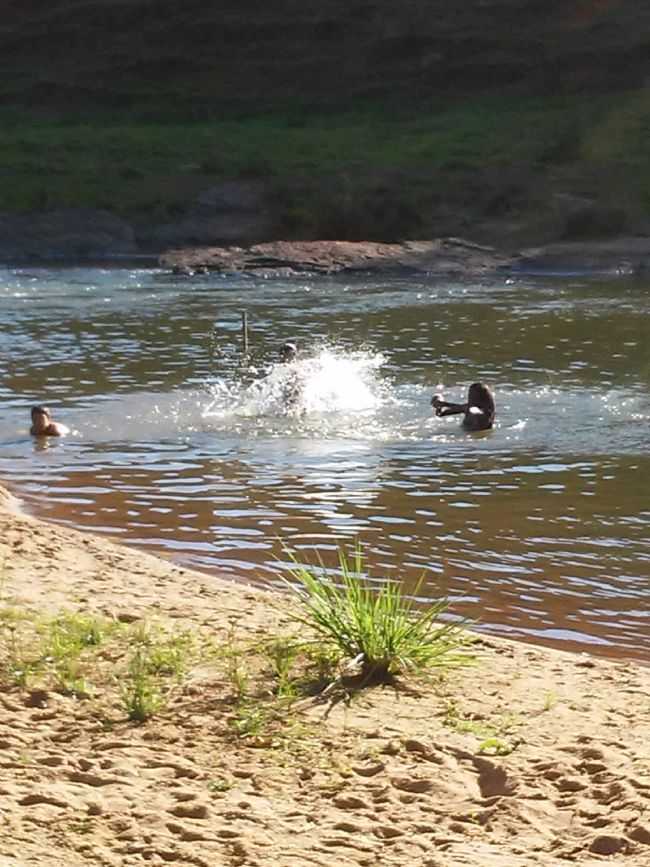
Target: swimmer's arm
443, 407
56, 429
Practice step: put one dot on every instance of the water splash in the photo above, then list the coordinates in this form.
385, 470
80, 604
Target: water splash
331, 391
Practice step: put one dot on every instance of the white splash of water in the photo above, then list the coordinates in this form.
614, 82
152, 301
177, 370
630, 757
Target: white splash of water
328, 382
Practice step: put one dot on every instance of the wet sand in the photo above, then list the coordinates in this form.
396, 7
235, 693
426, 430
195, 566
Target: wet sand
396, 777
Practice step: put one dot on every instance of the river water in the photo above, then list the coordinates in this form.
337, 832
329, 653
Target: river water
539, 529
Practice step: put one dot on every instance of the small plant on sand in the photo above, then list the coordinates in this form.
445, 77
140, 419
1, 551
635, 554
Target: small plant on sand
497, 734
323, 664
218, 785
71, 632
237, 672
252, 720
170, 654
550, 700
495, 746
70, 679
140, 692
238, 677
282, 654
64, 639
157, 655
19, 660
381, 629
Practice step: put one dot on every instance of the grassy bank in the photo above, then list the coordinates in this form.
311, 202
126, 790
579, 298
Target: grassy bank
373, 171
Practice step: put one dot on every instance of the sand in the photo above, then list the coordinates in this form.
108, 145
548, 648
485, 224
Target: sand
397, 776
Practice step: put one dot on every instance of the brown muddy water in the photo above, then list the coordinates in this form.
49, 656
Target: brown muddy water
539, 529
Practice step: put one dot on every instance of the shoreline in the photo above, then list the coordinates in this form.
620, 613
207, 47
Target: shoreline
19, 507
619, 257
445, 256
532, 756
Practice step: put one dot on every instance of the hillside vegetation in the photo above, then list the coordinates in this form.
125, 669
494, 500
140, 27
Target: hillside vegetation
504, 119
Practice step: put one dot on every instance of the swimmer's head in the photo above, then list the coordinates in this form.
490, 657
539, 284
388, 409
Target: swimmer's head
42, 424
288, 352
480, 395
40, 419
40, 412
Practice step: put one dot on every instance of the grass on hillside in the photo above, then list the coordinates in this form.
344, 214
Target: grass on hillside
153, 169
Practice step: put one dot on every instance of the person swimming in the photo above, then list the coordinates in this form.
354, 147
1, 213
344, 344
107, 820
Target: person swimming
43, 426
479, 410
288, 352
293, 385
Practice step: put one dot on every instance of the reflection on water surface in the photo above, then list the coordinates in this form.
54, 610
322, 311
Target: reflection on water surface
539, 529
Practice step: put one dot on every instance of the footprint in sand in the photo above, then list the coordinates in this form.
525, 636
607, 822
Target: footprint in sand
493, 779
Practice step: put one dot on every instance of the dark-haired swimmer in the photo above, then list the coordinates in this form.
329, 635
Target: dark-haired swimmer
43, 426
288, 352
479, 410
292, 386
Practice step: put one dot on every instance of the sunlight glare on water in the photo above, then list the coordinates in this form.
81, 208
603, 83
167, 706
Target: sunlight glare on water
326, 392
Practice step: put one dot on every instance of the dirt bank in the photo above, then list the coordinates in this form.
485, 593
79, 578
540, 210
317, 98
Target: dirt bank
530, 757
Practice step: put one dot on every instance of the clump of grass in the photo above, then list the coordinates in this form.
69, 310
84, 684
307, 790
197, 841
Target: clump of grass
166, 654
252, 720
282, 654
70, 633
68, 676
140, 692
301, 668
51, 649
18, 660
381, 629
237, 673
322, 661
64, 639
156, 655
219, 785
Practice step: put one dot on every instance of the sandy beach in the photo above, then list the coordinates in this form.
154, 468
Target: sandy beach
528, 757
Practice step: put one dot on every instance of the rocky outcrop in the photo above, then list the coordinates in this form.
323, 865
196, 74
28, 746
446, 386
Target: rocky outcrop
72, 233
454, 257
451, 256
615, 256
